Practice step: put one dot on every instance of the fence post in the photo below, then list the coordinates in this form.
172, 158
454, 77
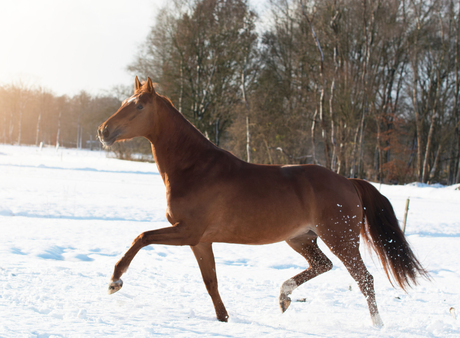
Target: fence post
405, 215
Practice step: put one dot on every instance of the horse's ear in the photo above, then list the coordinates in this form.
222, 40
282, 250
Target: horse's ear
149, 86
137, 84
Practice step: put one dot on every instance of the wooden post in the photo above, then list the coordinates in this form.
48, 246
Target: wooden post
405, 215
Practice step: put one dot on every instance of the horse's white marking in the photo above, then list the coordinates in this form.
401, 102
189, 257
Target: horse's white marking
452, 313
377, 321
115, 286
288, 286
129, 100
118, 282
132, 98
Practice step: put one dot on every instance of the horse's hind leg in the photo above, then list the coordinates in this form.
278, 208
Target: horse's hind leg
205, 257
307, 246
348, 253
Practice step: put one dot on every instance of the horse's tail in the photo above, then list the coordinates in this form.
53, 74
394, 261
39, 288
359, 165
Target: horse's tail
382, 233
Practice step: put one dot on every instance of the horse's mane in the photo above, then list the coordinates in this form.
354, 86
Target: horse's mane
166, 99
185, 124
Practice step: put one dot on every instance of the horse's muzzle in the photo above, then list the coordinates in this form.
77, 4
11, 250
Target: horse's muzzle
107, 137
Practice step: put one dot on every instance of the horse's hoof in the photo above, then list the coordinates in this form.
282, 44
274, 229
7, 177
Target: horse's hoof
377, 321
223, 318
284, 303
115, 286
286, 289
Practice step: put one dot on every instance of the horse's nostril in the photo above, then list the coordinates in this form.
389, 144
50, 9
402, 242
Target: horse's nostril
105, 132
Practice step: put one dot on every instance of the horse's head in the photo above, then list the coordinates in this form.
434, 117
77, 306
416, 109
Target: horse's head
134, 118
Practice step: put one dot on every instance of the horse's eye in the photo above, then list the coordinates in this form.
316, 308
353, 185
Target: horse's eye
140, 107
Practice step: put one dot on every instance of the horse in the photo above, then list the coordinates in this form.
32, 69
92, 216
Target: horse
213, 196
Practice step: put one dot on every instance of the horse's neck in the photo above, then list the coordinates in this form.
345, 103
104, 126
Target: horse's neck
177, 145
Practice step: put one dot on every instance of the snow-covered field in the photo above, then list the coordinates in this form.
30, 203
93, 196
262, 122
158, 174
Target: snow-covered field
67, 216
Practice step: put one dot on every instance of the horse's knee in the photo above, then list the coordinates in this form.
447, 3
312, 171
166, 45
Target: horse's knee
323, 265
327, 265
140, 239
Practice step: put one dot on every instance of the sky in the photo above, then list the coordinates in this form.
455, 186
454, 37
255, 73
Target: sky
67, 46
71, 45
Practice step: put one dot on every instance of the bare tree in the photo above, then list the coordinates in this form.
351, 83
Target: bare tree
323, 88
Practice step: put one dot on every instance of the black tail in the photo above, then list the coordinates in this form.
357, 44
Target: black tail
382, 233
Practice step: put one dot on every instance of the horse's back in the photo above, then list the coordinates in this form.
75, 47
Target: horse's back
259, 204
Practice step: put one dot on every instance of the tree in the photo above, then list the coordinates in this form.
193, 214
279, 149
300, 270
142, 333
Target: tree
198, 56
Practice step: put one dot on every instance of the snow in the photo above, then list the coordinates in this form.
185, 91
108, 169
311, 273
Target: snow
67, 216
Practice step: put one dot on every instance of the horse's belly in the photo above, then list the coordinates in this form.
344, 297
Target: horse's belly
272, 223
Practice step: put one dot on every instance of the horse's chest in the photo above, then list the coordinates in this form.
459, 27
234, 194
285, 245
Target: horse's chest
186, 210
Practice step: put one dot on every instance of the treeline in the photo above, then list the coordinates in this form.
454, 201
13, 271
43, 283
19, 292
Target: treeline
366, 88
31, 115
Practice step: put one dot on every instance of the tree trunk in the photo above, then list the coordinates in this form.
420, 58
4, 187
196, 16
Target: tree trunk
246, 104
78, 129
434, 170
268, 152
379, 153
457, 180
58, 134
217, 131
451, 161
331, 98
333, 140
38, 129
364, 84
181, 94
321, 100
353, 154
81, 137
313, 138
419, 130
418, 118
324, 131
451, 167
248, 140
20, 127
341, 160
425, 171
361, 141
4, 129
457, 162
22, 104
11, 128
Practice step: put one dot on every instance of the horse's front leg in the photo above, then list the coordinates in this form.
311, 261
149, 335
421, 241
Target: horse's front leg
205, 257
175, 235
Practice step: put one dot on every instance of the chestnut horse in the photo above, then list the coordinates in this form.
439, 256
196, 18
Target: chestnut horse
212, 196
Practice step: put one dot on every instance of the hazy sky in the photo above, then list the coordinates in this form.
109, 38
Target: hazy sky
71, 45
